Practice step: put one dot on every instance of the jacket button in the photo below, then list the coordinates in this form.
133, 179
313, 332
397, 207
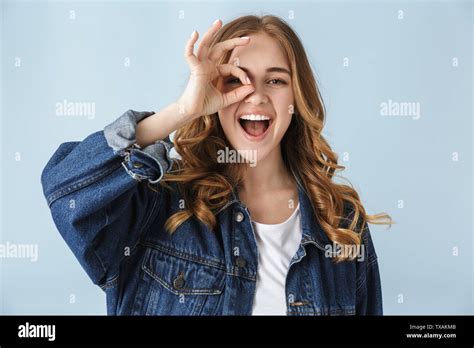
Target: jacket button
240, 261
239, 217
137, 165
178, 282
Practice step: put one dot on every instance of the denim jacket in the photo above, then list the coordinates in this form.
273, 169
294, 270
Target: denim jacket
107, 203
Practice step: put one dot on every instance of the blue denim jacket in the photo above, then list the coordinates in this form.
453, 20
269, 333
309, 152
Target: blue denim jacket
107, 203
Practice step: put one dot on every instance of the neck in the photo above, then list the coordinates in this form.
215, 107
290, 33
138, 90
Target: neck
269, 174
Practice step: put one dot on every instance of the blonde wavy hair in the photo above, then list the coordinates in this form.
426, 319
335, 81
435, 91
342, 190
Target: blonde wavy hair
206, 185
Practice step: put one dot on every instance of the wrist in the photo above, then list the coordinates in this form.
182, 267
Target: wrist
184, 112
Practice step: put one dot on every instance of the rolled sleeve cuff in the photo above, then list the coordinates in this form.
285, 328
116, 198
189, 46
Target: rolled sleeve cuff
121, 133
149, 163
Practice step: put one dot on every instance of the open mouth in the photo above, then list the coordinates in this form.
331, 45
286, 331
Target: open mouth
255, 125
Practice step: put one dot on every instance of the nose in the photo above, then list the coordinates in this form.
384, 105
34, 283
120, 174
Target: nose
257, 97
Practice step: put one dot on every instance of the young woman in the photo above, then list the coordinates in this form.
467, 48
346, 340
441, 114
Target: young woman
246, 220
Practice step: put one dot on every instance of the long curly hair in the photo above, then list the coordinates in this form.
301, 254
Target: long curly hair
206, 185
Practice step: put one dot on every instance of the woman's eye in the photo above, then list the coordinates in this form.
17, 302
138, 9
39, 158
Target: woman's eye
276, 82
271, 82
232, 81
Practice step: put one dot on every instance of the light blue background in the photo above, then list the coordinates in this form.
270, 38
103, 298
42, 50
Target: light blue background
390, 158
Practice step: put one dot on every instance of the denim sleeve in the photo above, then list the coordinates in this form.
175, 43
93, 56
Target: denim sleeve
98, 192
369, 289
149, 163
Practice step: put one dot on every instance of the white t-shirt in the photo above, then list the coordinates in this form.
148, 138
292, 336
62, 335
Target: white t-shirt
277, 244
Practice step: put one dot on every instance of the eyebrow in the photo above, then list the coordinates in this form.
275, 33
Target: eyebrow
272, 69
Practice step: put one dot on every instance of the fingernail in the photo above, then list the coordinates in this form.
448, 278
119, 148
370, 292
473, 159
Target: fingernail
216, 21
192, 34
248, 80
245, 37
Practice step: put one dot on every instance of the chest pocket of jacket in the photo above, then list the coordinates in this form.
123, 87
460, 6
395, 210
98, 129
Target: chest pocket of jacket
175, 285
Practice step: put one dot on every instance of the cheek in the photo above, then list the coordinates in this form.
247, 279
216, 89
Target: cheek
282, 125
284, 102
284, 107
226, 118
284, 117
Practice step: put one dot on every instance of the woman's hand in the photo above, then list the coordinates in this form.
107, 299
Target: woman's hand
200, 96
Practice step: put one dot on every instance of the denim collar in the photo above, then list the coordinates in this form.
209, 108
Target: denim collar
312, 230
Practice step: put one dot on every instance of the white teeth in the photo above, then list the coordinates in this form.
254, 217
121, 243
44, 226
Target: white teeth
252, 117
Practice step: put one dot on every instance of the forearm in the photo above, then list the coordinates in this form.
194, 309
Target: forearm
159, 125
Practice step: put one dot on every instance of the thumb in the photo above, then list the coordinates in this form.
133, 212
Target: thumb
237, 95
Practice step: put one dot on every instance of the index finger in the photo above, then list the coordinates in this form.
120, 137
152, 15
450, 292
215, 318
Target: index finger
206, 40
219, 49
